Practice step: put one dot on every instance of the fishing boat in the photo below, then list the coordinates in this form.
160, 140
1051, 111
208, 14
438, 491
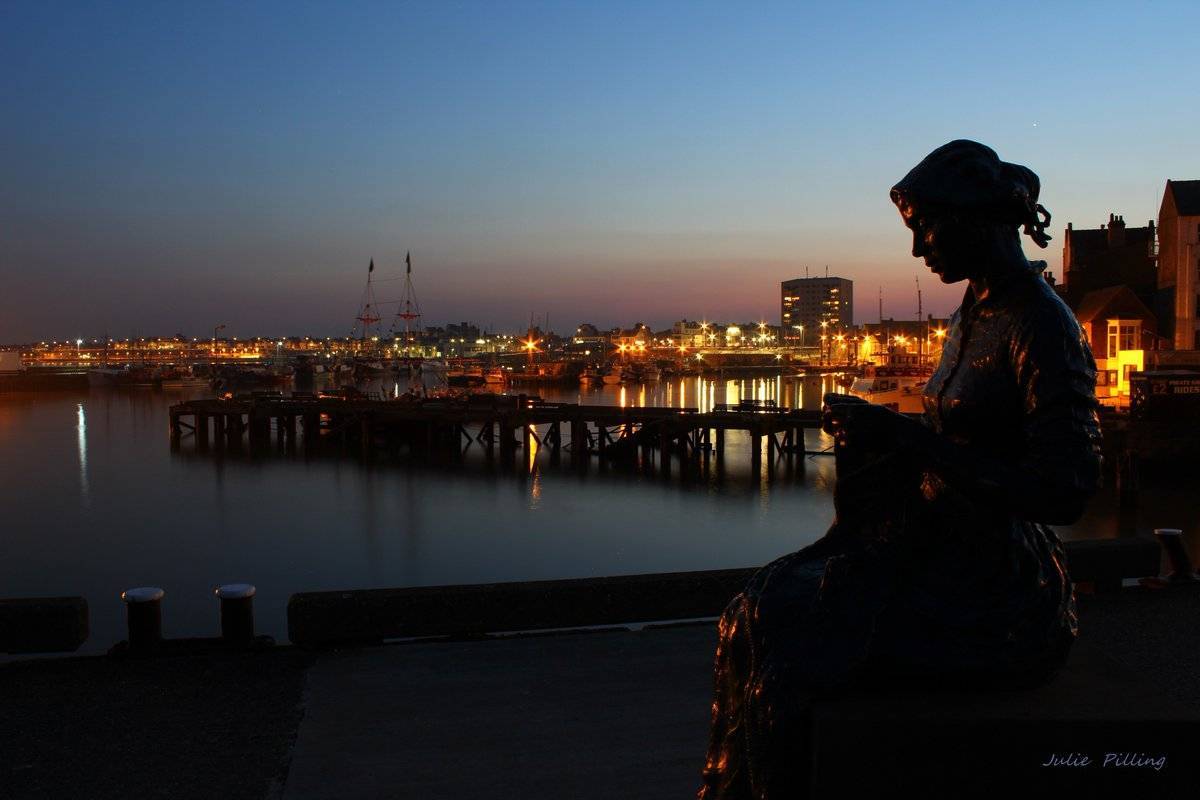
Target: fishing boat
619, 373
496, 376
368, 369
122, 377
182, 378
898, 383
105, 376
247, 377
590, 376
647, 372
470, 376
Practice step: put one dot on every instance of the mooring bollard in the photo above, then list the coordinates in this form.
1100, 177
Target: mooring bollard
1171, 540
237, 612
143, 613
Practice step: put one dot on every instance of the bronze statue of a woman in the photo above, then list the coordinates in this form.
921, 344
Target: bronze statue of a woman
939, 567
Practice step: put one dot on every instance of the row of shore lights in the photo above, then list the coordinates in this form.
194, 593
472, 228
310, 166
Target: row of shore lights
640, 345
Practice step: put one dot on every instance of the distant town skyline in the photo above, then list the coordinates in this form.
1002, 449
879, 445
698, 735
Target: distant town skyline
171, 168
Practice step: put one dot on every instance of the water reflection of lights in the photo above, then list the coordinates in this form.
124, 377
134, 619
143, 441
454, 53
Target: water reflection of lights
81, 439
535, 490
531, 455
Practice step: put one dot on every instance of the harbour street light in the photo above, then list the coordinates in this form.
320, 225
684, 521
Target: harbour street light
530, 346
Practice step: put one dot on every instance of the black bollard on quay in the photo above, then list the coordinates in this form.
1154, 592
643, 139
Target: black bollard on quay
237, 612
143, 613
1171, 540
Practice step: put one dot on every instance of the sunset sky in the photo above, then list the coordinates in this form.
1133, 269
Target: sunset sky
170, 166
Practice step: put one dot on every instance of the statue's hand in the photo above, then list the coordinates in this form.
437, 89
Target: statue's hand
867, 426
834, 398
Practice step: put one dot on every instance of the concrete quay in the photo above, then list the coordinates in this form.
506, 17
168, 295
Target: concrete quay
615, 713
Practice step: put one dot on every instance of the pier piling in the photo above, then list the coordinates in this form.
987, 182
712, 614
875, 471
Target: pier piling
433, 428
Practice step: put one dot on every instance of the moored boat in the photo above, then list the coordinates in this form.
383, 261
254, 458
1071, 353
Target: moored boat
496, 376
898, 384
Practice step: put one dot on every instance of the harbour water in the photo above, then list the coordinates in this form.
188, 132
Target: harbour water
94, 502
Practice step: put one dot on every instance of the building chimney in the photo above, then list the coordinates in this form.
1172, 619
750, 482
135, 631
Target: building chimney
1116, 231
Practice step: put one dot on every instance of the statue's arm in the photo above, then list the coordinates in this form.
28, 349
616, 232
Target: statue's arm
1059, 468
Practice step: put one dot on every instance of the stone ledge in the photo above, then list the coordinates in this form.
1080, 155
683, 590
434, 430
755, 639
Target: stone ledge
325, 618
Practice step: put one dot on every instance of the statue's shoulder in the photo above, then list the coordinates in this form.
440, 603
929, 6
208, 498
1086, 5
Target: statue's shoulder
1041, 310
1047, 331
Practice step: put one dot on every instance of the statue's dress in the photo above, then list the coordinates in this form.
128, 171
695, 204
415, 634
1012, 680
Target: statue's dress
923, 577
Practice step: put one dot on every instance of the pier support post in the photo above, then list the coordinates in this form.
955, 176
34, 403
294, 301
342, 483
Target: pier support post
554, 439
508, 442
579, 443
260, 429
311, 425
201, 431
488, 434
234, 428
367, 433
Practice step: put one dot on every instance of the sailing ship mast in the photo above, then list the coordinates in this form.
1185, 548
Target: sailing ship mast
368, 313
410, 309
921, 318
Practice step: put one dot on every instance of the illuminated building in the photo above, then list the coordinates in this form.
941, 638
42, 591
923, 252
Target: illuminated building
805, 303
1120, 329
920, 337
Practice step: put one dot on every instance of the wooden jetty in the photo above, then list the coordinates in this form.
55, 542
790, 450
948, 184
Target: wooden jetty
497, 423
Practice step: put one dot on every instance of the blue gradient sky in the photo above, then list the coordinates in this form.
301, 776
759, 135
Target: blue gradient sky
169, 166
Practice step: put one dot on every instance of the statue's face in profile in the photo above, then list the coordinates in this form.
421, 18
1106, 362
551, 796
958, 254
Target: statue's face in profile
946, 245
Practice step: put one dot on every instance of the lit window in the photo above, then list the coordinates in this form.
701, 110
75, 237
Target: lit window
1128, 337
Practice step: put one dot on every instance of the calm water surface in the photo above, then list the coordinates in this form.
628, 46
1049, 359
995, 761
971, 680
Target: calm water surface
94, 501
